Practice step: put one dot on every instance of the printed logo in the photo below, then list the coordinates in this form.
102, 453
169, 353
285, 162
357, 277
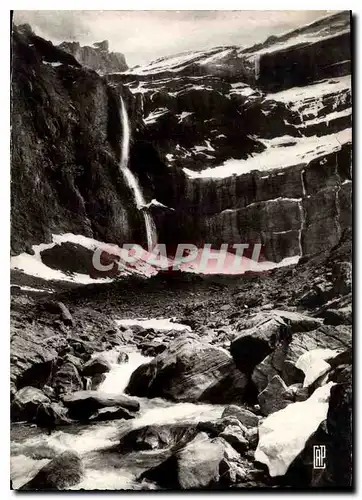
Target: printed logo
319, 456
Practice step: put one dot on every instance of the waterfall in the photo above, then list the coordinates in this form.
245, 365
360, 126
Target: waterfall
133, 182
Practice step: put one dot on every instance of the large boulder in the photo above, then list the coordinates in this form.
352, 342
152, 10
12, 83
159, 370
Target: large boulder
190, 370
202, 463
82, 404
26, 402
61, 473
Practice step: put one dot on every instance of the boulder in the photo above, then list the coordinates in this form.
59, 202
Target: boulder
56, 307
77, 362
157, 437
111, 413
61, 473
50, 415
235, 436
97, 380
275, 396
190, 370
255, 343
342, 316
26, 402
67, 379
203, 463
82, 404
246, 417
95, 366
279, 444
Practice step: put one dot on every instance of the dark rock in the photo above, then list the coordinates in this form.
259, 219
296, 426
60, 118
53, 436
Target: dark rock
255, 343
111, 413
82, 404
62, 472
74, 360
246, 417
61, 309
152, 348
275, 396
236, 437
95, 366
26, 402
67, 379
50, 415
122, 358
189, 370
155, 437
97, 380
341, 316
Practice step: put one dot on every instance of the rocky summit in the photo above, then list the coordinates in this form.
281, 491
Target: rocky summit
136, 363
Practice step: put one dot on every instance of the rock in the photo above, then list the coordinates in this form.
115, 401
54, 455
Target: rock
95, 366
246, 417
61, 309
190, 370
67, 379
255, 343
275, 396
26, 402
77, 362
216, 427
82, 404
341, 316
343, 282
61, 473
198, 463
235, 436
157, 437
50, 415
122, 358
97, 380
152, 348
252, 435
340, 432
279, 444
203, 463
111, 413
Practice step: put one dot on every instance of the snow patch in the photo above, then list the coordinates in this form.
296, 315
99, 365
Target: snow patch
160, 324
283, 435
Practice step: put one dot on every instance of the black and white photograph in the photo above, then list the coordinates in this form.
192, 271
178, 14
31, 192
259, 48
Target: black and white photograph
181, 250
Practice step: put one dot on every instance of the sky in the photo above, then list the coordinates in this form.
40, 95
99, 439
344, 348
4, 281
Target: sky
143, 36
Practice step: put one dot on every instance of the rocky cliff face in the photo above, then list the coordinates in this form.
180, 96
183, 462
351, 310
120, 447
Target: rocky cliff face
66, 133
97, 57
256, 142
243, 144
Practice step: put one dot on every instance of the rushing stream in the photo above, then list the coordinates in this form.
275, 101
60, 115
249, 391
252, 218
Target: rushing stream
106, 468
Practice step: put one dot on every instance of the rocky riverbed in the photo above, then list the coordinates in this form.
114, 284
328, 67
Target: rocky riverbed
255, 371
